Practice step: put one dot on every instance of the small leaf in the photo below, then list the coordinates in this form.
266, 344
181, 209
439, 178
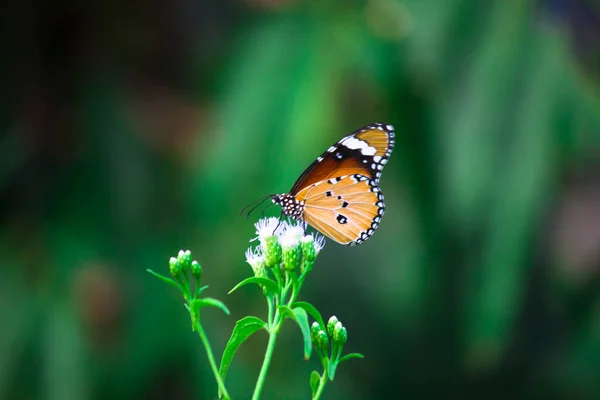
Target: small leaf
331, 369
243, 329
312, 311
269, 284
315, 379
200, 290
209, 301
351, 356
299, 315
164, 279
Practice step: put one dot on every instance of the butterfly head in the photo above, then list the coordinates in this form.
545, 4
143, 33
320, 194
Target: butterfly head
290, 205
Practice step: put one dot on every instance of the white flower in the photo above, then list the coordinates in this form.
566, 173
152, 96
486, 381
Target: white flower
255, 258
295, 230
319, 243
290, 238
289, 241
267, 227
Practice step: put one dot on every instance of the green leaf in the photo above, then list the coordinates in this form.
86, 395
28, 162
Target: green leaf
202, 289
269, 284
312, 311
165, 279
209, 301
301, 318
243, 329
315, 378
351, 356
331, 369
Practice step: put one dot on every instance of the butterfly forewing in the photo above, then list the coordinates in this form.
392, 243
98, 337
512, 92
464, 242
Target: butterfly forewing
347, 209
364, 152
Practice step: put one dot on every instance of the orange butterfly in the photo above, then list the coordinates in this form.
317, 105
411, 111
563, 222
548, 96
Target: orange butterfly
339, 193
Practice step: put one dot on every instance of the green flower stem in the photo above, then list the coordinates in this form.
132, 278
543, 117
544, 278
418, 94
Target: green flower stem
211, 359
322, 383
270, 300
265, 367
274, 328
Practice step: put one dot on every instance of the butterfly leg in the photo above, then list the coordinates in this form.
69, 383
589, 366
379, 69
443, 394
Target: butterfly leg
279, 223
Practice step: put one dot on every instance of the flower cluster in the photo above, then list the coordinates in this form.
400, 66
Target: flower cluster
184, 263
284, 245
329, 342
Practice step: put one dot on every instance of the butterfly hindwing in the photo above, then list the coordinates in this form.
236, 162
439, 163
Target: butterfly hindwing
347, 209
364, 152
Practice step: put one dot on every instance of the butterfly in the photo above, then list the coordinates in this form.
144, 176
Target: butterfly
339, 193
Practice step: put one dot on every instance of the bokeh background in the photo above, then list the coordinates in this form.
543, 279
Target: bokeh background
130, 130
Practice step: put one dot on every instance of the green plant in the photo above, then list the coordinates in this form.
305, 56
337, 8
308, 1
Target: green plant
281, 262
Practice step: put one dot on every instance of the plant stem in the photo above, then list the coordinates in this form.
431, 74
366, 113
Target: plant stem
211, 360
274, 327
322, 383
265, 367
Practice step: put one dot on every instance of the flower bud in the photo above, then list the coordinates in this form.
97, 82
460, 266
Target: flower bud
322, 341
257, 262
331, 325
185, 259
196, 270
340, 335
290, 247
272, 251
174, 266
308, 248
314, 330
291, 258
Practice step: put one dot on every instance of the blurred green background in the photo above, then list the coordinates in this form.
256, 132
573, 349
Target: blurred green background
133, 129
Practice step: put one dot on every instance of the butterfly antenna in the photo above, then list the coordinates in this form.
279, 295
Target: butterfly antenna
254, 205
265, 207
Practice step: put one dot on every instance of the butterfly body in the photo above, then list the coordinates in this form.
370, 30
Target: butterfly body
339, 193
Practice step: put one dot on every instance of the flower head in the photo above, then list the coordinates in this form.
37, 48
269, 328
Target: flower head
184, 258
196, 270
256, 260
331, 325
268, 231
294, 231
319, 244
174, 266
340, 334
290, 246
267, 227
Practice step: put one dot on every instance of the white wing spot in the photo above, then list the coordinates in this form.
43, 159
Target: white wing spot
356, 144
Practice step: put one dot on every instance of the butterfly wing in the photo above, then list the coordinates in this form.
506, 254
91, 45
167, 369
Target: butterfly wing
364, 152
347, 209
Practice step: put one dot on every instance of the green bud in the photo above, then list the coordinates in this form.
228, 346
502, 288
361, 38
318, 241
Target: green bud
314, 330
185, 259
257, 262
291, 258
260, 272
322, 341
308, 248
271, 251
340, 335
196, 270
174, 266
331, 325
